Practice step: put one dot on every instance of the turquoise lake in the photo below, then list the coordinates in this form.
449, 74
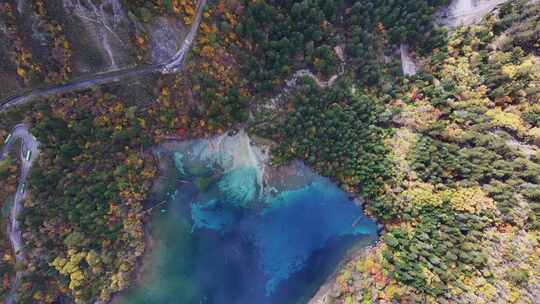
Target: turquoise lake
231, 231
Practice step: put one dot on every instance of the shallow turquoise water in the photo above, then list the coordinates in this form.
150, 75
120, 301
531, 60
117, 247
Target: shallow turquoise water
224, 238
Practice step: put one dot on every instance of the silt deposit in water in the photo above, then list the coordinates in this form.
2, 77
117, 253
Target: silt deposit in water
235, 232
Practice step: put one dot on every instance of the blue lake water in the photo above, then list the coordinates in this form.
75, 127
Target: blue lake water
232, 232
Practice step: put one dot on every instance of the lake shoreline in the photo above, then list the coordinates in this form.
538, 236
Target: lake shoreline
139, 267
325, 292
272, 173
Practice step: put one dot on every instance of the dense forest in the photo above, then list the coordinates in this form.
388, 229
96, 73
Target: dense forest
284, 36
466, 155
84, 217
447, 160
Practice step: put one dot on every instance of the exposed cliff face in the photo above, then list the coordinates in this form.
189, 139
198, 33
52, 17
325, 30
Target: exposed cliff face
466, 12
165, 38
101, 31
54, 41
7, 70
19, 32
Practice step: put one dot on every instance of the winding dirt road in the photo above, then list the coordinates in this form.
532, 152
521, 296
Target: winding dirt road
28, 144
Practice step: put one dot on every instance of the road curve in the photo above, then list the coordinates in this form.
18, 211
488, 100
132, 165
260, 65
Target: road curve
170, 66
28, 143
175, 63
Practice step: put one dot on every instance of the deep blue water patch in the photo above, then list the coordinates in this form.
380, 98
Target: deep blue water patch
223, 238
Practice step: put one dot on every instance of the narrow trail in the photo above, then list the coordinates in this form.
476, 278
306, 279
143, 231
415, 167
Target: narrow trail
172, 65
321, 83
292, 82
30, 145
